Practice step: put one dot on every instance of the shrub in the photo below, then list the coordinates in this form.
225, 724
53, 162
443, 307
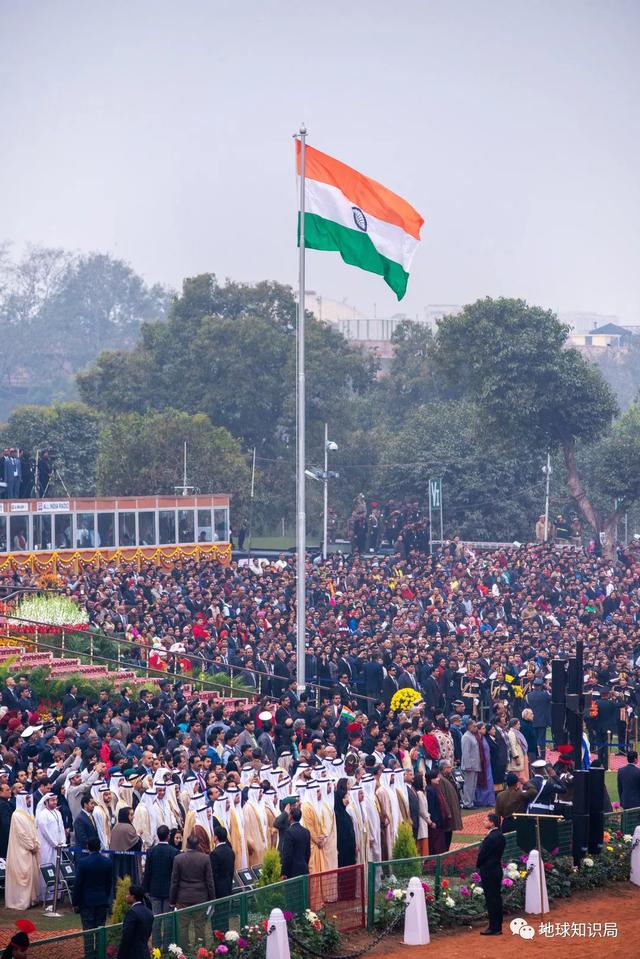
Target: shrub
271, 868
120, 904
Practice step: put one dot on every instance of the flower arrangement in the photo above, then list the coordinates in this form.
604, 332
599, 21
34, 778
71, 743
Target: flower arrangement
460, 900
308, 930
405, 699
49, 611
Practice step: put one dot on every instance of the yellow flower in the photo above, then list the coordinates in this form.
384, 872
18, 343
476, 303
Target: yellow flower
405, 699
609, 848
155, 953
523, 873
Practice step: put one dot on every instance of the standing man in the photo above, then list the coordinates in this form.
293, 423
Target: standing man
489, 865
296, 848
84, 826
539, 701
191, 884
136, 928
223, 860
92, 891
471, 765
6, 812
156, 881
629, 782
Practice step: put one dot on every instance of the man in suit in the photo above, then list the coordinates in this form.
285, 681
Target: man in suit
295, 849
84, 825
136, 928
373, 674
92, 891
156, 881
191, 884
70, 701
266, 742
539, 701
223, 862
390, 684
629, 782
489, 865
6, 812
343, 690
408, 679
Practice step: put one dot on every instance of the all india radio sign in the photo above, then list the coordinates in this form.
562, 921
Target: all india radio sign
53, 506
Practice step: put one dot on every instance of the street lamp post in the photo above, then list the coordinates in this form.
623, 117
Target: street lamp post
328, 445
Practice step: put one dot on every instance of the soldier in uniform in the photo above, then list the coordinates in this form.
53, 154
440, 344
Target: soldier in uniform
471, 691
548, 786
500, 690
623, 696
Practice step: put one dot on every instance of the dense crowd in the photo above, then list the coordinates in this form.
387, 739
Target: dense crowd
468, 635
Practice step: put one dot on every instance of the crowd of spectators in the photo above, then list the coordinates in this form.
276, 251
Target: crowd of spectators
472, 633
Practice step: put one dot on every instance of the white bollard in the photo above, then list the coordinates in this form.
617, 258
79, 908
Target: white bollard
536, 900
635, 857
278, 939
416, 923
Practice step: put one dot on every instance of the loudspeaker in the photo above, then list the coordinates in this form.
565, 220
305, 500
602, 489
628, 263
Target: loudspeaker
595, 838
558, 680
557, 723
596, 789
596, 809
580, 815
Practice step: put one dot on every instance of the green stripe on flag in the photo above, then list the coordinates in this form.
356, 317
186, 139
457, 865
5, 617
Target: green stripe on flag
355, 248
347, 714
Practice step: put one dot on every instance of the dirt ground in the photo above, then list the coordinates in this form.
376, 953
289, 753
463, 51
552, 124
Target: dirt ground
620, 905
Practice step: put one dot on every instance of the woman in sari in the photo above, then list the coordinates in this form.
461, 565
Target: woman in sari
485, 793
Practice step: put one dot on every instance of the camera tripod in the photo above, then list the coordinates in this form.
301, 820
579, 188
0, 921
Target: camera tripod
55, 475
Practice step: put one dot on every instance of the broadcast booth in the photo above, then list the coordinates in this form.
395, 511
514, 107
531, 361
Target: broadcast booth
49, 533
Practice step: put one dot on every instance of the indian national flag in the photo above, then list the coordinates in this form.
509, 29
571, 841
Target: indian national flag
367, 224
347, 714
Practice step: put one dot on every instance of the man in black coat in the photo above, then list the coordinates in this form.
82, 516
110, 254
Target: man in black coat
156, 881
6, 812
390, 684
92, 891
489, 865
539, 701
136, 928
295, 850
629, 782
84, 825
223, 863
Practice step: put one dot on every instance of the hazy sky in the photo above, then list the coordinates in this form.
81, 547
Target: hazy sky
160, 130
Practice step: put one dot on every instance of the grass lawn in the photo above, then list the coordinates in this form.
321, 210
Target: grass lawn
68, 920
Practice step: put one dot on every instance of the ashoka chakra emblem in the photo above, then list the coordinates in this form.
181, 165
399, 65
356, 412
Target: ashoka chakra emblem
359, 218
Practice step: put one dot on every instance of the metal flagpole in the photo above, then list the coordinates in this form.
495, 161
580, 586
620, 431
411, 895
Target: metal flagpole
325, 515
253, 483
301, 525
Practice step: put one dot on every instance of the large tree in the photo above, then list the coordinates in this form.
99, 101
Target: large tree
57, 311
511, 360
229, 351
143, 454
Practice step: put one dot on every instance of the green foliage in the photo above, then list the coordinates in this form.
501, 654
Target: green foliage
271, 868
491, 493
510, 358
69, 430
405, 845
143, 453
120, 904
229, 351
58, 310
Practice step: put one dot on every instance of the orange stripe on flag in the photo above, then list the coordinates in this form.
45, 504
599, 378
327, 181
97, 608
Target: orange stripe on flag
372, 197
